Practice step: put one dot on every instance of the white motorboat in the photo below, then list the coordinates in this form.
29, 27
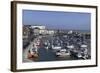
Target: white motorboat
70, 46
85, 57
83, 46
79, 55
56, 47
46, 47
63, 53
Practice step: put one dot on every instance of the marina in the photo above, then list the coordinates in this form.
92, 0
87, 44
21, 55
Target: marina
57, 47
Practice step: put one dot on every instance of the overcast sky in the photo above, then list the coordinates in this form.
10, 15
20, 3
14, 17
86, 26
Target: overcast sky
58, 20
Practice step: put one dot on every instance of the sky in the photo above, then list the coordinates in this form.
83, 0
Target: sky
57, 19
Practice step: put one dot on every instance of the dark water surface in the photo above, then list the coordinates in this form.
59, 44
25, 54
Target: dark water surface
49, 55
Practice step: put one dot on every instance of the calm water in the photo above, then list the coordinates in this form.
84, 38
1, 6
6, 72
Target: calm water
49, 55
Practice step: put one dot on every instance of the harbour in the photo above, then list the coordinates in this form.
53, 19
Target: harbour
57, 47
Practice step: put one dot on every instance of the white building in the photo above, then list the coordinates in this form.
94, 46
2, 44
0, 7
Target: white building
40, 27
51, 32
42, 30
70, 32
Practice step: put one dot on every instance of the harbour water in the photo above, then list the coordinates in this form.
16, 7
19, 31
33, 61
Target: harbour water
49, 55
81, 47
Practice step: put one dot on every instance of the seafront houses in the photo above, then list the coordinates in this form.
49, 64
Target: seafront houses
39, 30
32, 31
42, 30
27, 35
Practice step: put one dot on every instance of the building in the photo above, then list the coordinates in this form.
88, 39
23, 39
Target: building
41, 30
36, 31
36, 26
51, 32
26, 33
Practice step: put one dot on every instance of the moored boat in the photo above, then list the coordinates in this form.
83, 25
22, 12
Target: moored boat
56, 48
63, 53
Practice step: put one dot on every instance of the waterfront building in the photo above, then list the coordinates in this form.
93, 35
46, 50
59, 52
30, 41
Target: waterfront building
38, 26
42, 30
25, 36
